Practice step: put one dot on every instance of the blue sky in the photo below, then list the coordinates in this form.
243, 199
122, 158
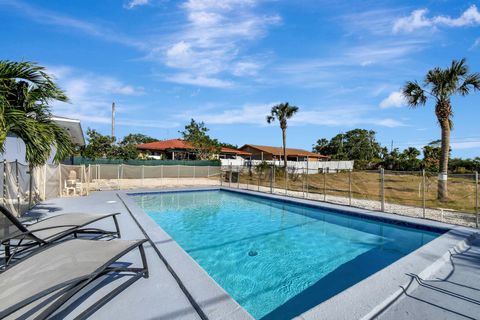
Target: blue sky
227, 62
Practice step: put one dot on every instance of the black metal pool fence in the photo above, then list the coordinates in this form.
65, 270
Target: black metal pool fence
411, 193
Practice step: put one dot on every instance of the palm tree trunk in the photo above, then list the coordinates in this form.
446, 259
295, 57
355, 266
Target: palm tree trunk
284, 138
442, 193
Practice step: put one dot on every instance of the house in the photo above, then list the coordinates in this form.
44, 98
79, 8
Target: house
15, 148
267, 153
177, 149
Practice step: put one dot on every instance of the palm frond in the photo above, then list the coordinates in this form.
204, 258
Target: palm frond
414, 94
26, 92
471, 81
25, 70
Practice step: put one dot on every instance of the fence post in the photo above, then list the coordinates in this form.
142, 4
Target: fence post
230, 176
45, 181
82, 176
238, 177
89, 178
60, 191
306, 179
382, 189
221, 176
350, 187
208, 172
194, 171
118, 177
4, 191
18, 187
271, 178
303, 181
178, 174
324, 184
423, 193
258, 181
476, 198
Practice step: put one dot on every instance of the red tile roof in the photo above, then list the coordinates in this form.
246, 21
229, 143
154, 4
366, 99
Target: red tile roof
180, 144
236, 151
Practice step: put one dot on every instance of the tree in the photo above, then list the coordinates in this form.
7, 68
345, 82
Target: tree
409, 159
357, 144
196, 134
440, 85
282, 112
228, 145
136, 138
321, 146
431, 156
98, 145
392, 159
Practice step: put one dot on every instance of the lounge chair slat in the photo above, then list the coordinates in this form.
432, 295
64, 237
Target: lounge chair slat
74, 220
56, 265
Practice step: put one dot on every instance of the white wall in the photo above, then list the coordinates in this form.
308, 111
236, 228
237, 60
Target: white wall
312, 166
15, 150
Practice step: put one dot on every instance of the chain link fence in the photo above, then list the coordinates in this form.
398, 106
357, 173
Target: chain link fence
409, 193
51, 181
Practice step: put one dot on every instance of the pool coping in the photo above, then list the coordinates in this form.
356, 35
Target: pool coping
363, 300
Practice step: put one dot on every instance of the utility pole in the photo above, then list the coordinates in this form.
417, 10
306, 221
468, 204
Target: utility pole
113, 120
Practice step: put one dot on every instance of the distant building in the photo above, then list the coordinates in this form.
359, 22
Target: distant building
177, 149
268, 153
15, 148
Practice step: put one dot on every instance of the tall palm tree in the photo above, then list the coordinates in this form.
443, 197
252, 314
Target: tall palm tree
26, 92
282, 112
440, 85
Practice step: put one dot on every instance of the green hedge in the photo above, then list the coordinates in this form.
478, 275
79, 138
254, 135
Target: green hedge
81, 160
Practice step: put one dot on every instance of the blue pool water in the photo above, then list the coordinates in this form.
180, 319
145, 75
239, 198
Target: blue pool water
278, 259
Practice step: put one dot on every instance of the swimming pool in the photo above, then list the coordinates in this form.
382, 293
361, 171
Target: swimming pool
278, 259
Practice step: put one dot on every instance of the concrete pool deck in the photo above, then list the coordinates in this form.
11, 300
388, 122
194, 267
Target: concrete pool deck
178, 288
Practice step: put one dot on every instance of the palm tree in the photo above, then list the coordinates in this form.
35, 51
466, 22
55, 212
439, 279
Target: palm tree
440, 85
26, 92
282, 112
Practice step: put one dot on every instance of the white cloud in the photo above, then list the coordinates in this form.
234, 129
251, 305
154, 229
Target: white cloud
476, 43
53, 18
394, 100
344, 117
199, 80
466, 143
245, 68
209, 44
135, 3
418, 19
255, 114
225, 5
91, 96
